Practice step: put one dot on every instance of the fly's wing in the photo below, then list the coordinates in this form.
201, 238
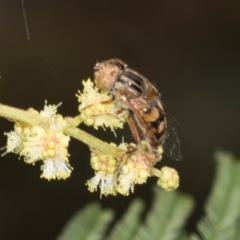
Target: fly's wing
171, 144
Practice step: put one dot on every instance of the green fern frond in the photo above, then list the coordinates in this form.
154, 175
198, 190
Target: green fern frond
193, 237
223, 206
184, 236
238, 229
167, 216
128, 226
88, 224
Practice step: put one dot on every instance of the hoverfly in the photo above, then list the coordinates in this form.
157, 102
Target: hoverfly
147, 114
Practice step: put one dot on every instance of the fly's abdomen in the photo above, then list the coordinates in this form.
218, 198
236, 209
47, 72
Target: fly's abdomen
156, 125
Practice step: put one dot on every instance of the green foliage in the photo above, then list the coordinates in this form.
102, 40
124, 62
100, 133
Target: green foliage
126, 228
88, 224
166, 217
223, 205
238, 229
168, 214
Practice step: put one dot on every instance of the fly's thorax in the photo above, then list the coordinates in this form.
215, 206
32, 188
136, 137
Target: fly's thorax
123, 94
152, 93
134, 81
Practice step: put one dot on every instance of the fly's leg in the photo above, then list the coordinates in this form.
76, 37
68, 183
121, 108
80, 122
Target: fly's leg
103, 102
136, 135
110, 101
134, 129
131, 149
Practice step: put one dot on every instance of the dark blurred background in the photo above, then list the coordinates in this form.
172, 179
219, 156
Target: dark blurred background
189, 49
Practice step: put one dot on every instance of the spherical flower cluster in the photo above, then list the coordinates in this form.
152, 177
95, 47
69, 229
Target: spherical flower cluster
136, 168
97, 108
45, 141
102, 162
169, 179
105, 167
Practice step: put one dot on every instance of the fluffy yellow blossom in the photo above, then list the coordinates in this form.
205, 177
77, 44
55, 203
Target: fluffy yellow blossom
105, 167
54, 168
45, 141
105, 181
97, 108
136, 169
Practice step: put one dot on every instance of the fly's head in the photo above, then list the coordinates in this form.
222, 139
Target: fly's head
107, 72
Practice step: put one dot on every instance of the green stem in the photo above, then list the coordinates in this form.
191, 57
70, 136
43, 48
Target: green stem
156, 172
76, 121
18, 115
93, 142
